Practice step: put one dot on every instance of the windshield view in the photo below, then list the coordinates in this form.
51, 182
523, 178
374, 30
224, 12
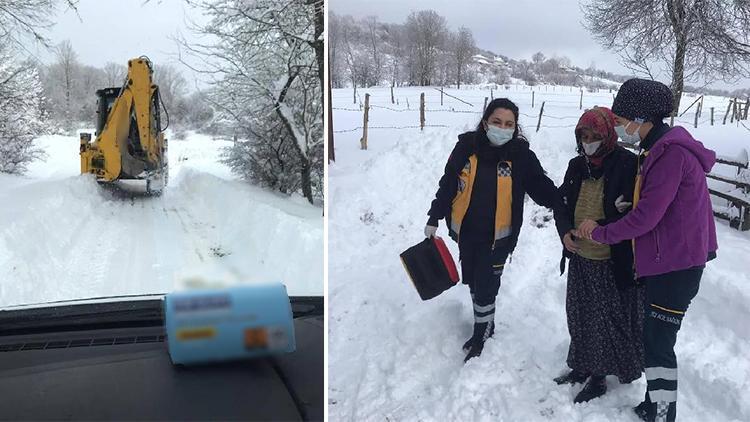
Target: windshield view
147, 148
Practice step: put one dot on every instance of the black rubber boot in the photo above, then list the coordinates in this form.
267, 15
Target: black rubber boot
595, 387
572, 377
467, 345
644, 411
482, 331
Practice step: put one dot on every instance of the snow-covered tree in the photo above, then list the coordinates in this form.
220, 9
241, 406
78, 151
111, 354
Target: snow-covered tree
266, 80
427, 33
463, 46
21, 118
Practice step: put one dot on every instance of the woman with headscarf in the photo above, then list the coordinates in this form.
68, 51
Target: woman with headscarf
481, 196
673, 226
604, 304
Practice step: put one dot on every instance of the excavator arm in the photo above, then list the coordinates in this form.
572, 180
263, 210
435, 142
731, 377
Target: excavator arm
129, 142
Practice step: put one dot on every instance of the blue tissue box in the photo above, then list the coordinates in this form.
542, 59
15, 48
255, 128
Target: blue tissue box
225, 324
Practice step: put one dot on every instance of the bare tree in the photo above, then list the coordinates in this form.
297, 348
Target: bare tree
538, 58
427, 32
398, 51
686, 39
463, 49
114, 74
335, 68
172, 84
373, 40
67, 60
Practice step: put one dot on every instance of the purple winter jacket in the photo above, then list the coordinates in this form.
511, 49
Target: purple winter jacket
673, 224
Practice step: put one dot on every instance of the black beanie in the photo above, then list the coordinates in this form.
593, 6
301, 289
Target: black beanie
643, 98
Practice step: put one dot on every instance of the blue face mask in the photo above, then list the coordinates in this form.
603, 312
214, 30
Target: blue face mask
631, 139
499, 136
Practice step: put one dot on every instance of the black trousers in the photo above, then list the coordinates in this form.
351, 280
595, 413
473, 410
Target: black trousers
482, 268
667, 299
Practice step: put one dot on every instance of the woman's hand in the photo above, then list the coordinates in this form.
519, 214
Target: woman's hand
586, 228
621, 205
569, 243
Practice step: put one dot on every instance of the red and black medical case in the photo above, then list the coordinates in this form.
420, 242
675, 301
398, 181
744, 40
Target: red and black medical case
430, 267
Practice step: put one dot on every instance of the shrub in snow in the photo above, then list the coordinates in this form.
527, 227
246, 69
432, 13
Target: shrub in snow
20, 114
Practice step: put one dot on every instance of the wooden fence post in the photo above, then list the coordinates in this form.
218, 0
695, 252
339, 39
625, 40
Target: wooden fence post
407, 103
421, 111
712, 116
727, 113
492, 94
671, 119
485, 104
697, 113
539, 123
441, 96
393, 101
580, 104
355, 94
532, 99
747, 106
363, 141
734, 111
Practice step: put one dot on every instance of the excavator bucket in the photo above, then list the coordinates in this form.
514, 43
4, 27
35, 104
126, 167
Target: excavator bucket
129, 142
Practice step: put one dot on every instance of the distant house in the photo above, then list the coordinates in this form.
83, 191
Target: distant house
567, 69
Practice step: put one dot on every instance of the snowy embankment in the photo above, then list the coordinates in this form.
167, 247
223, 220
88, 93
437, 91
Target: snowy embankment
398, 358
62, 236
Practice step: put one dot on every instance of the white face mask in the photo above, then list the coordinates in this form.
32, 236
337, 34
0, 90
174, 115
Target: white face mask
626, 137
499, 136
590, 149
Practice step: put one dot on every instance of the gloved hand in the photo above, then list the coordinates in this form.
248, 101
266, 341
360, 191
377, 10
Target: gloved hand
621, 205
429, 231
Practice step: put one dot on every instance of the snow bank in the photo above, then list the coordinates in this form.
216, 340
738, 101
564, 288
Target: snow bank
398, 358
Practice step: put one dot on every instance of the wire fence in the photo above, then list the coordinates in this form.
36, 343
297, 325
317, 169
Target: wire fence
736, 111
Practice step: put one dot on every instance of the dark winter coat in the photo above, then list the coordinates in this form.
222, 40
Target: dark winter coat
619, 169
528, 177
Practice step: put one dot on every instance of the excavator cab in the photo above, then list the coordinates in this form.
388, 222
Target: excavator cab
129, 140
105, 100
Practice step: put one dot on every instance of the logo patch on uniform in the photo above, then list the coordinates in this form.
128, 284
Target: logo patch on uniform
504, 169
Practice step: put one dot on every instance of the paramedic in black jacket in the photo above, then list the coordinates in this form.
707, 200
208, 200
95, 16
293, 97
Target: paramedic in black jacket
481, 197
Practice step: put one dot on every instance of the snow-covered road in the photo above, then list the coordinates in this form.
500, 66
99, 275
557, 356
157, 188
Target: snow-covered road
62, 236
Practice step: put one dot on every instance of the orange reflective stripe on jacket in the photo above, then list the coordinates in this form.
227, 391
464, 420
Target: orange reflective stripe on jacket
460, 205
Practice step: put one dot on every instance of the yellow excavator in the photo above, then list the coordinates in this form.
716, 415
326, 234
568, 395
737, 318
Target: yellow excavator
130, 142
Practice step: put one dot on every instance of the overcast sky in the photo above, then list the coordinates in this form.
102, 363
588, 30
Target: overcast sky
513, 28
118, 30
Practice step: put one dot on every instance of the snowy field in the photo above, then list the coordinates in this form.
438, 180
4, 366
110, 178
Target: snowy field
62, 236
398, 358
